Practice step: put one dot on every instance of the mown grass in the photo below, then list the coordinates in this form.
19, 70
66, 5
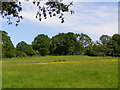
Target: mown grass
87, 72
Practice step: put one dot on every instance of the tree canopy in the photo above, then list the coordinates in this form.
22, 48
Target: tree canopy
105, 39
62, 44
8, 49
50, 7
25, 48
41, 43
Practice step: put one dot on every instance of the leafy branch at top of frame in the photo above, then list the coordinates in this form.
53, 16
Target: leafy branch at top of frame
51, 8
11, 9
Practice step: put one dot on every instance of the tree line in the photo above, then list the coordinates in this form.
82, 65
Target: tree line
62, 44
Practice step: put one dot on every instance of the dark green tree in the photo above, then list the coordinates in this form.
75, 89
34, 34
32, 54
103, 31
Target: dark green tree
20, 54
65, 44
42, 44
79, 49
110, 48
85, 40
105, 39
25, 48
116, 44
92, 51
8, 49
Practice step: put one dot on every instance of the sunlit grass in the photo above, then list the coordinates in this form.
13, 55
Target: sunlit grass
49, 72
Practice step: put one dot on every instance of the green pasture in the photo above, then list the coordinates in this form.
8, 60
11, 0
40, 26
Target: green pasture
60, 72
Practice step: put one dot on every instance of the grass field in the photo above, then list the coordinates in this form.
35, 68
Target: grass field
70, 72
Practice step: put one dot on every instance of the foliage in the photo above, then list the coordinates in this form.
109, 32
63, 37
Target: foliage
51, 8
20, 54
42, 44
85, 40
94, 51
63, 44
8, 49
79, 49
116, 44
105, 39
11, 9
24, 47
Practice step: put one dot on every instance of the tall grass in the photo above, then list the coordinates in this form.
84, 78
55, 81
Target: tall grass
88, 72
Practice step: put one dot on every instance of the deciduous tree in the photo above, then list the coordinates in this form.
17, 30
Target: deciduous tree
42, 44
8, 49
25, 48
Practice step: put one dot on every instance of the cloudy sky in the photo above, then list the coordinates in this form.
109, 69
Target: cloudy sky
91, 18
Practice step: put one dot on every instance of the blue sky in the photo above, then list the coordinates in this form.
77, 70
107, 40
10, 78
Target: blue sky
91, 18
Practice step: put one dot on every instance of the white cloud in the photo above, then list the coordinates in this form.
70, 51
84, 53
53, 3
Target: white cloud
79, 0
94, 0
96, 20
